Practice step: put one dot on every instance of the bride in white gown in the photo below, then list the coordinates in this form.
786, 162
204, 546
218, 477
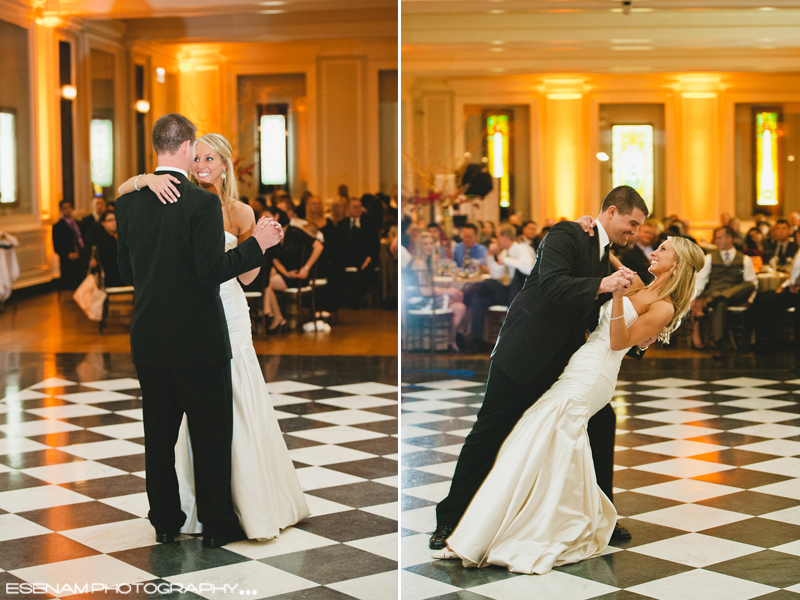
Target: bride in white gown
267, 496
540, 506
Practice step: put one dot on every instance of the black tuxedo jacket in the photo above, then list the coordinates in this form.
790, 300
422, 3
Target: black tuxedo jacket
635, 259
358, 243
557, 304
174, 256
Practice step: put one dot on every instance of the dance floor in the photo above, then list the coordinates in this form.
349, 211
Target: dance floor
72, 488
707, 480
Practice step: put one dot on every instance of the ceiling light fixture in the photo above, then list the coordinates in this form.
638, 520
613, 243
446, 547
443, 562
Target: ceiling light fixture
497, 12
142, 106
634, 48
766, 8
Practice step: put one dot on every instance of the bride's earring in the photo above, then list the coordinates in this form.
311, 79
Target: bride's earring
223, 175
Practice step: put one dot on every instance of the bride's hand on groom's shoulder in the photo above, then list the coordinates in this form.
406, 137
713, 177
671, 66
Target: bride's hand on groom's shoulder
163, 186
587, 224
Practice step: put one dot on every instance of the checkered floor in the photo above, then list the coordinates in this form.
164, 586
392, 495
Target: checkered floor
707, 480
72, 488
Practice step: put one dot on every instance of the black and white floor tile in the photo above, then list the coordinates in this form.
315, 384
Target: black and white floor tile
72, 487
707, 480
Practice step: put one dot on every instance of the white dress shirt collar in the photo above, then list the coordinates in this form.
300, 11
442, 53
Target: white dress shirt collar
176, 169
602, 238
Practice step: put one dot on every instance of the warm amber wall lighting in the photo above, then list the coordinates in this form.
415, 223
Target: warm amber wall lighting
143, 106
69, 92
699, 95
564, 96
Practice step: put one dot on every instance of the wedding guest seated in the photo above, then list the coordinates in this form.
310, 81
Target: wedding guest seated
440, 241
529, 231
422, 268
373, 212
727, 279
771, 306
105, 242
509, 263
637, 254
339, 209
90, 224
302, 205
360, 246
753, 243
469, 246
781, 250
794, 221
738, 239
487, 233
515, 221
286, 205
68, 244
259, 205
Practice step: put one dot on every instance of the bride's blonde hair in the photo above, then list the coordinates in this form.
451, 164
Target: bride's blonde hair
679, 288
229, 192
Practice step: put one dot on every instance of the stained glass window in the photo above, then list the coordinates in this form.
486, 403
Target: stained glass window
497, 129
8, 159
102, 152
632, 159
273, 149
766, 158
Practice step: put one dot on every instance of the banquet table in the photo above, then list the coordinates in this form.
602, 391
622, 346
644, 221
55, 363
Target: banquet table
9, 270
460, 283
769, 282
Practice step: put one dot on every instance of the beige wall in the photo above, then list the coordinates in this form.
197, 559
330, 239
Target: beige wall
339, 137
699, 178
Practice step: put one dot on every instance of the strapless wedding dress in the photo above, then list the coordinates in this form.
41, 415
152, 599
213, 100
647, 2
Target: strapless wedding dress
540, 506
267, 495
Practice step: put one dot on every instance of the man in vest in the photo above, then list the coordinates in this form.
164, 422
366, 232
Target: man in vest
727, 279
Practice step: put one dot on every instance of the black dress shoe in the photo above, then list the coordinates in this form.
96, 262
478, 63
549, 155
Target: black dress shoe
439, 538
620, 534
210, 541
165, 538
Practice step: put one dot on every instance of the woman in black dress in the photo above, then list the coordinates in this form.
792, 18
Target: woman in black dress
105, 247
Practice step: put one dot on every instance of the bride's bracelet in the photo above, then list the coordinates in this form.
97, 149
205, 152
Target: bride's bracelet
615, 318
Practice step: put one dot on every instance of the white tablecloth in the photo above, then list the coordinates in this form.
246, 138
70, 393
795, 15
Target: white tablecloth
9, 271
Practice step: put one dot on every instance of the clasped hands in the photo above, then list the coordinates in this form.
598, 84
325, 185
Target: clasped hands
617, 282
268, 232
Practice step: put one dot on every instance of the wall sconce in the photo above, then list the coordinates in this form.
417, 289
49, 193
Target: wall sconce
161, 74
142, 106
602, 156
186, 67
69, 92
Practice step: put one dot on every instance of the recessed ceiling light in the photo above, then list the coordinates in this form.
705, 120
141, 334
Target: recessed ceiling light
631, 41
631, 48
271, 12
565, 96
497, 42
766, 8
497, 12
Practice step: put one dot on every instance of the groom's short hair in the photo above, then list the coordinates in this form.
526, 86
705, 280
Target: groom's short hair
625, 198
170, 131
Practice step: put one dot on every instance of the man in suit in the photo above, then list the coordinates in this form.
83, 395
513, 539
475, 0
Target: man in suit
782, 249
68, 243
544, 327
91, 222
360, 246
174, 256
637, 256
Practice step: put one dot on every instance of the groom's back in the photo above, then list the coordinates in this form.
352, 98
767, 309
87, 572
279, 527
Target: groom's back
178, 319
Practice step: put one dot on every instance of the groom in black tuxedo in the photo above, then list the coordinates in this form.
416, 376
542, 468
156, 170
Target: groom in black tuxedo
545, 325
174, 256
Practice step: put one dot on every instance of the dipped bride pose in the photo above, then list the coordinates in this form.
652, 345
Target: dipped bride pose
267, 496
540, 506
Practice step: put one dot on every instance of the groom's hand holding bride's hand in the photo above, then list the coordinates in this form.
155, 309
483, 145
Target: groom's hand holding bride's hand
268, 233
620, 280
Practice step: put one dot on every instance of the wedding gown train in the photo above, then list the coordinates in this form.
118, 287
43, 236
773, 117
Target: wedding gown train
540, 506
267, 495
